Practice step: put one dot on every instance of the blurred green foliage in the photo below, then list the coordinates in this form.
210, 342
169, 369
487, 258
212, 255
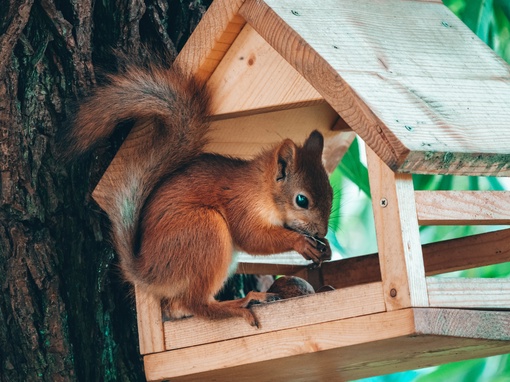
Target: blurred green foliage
490, 20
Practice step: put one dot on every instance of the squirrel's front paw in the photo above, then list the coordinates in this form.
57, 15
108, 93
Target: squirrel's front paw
323, 246
315, 249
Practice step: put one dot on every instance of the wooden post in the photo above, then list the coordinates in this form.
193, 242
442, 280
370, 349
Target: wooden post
150, 323
398, 237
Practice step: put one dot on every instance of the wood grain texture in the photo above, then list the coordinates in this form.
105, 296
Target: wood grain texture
408, 76
109, 181
359, 361
463, 207
340, 350
441, 257
484, 324
278, 344
199, 58
246, 136
467, 252
150, 324
335, 147
281, 264
284, 314
253, 76
398, 236
469, 293
211, 39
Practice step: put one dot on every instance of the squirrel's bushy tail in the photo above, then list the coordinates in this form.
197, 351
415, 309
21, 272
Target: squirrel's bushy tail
177, 109
178, 105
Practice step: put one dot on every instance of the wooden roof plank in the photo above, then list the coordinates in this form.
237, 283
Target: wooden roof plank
408, 76
252, 75
211, 38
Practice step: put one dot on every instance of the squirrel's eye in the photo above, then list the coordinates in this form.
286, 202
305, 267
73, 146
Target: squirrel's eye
302, 201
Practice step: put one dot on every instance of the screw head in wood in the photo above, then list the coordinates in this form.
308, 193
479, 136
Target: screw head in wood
393, 292
383, 202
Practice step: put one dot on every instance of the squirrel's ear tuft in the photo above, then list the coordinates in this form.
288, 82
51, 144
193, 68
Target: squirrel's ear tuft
314, 143
285, 157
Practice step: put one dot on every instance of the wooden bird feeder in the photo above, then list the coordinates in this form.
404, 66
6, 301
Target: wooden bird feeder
426, 96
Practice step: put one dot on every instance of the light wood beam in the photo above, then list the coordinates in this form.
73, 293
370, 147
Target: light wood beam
463, 207
398, 236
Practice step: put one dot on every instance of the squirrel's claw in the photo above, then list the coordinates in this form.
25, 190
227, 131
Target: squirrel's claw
320, 250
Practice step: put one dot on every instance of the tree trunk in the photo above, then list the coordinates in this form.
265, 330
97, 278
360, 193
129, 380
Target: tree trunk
65, 313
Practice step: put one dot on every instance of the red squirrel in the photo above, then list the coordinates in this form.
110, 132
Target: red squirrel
180, 213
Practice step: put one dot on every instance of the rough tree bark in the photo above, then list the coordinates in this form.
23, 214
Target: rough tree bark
65, 313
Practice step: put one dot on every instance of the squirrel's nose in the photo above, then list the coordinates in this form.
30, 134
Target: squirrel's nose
321, 231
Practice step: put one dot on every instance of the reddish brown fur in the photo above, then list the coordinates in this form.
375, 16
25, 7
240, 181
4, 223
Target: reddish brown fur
179, 214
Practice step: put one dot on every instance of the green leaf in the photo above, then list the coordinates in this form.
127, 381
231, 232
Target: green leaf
353, 169
336, 179
495, 184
